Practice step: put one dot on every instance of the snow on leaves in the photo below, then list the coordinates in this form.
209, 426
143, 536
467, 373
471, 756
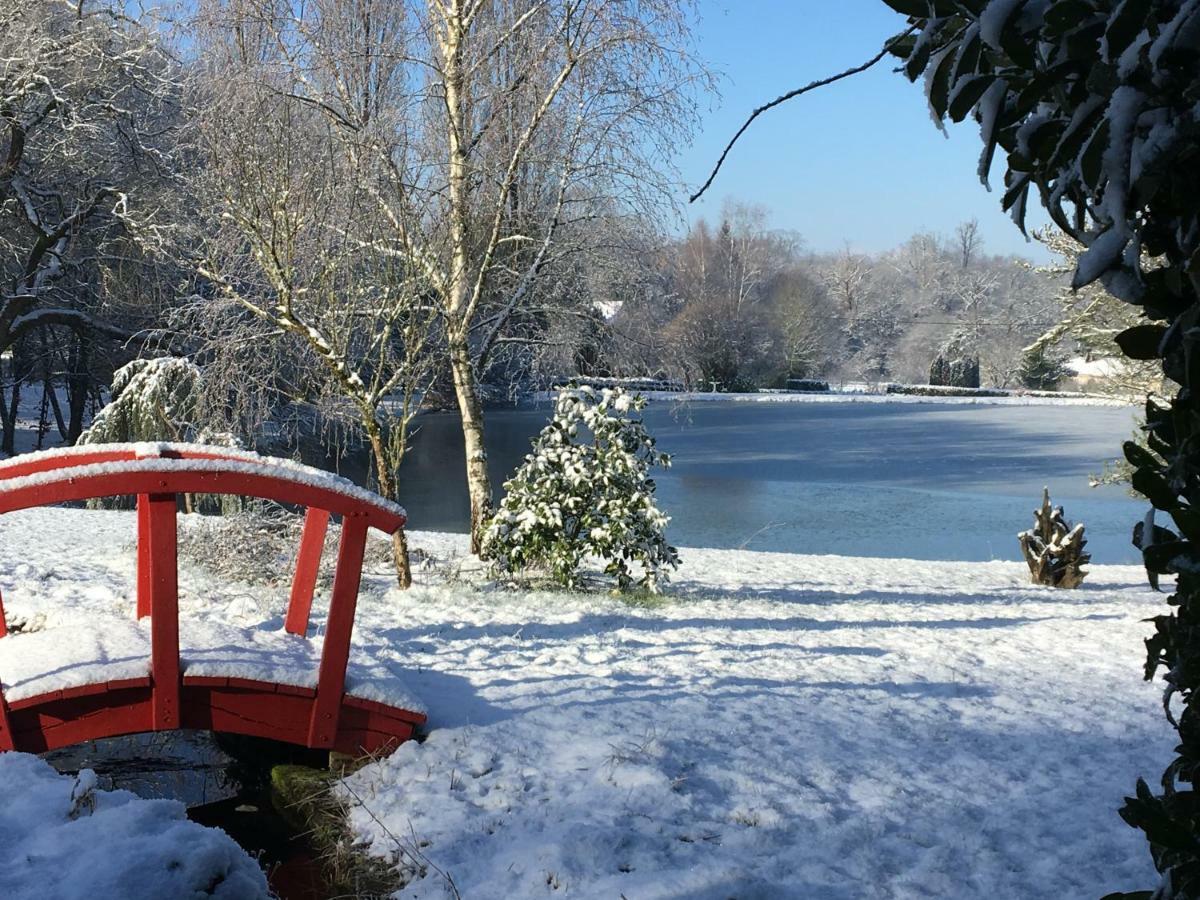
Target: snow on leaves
585, 491
152, 399
1090, 99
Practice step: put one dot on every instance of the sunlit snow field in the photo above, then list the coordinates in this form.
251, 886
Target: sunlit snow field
776, 726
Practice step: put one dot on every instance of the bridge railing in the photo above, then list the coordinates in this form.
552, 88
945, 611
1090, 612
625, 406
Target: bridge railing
157, 474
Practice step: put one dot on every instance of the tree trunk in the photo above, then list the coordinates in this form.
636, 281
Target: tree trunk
9, 442
10, 420
401, 557
43, 415
479, 483
77, 388
48, 354
59, 421
387, 487
458, 303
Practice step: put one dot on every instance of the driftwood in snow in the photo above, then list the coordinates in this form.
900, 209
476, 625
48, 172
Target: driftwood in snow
1053, 548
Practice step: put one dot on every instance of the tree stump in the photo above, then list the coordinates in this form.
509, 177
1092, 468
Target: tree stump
1053, 548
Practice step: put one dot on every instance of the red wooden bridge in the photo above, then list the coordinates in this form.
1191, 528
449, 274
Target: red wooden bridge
168, 697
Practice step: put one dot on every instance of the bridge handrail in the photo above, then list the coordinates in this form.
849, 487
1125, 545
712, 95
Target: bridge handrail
203, 455
157, 474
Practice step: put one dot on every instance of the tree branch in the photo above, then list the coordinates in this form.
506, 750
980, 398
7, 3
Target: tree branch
790, 95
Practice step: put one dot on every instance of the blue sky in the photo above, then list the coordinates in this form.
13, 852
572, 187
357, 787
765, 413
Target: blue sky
859, 160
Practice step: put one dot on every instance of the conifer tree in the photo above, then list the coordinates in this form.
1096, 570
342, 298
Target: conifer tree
585, 491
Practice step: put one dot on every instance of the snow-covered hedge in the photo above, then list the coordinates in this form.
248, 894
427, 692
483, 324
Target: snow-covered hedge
586, 490
945, 390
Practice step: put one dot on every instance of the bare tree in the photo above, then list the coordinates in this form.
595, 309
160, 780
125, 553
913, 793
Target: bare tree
809, 324
967, 241
86, 97
847, 277
721, 331
293, 241
502, 131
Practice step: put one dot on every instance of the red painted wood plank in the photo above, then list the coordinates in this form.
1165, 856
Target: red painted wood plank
398, 712
3, 621
50, 720
164, 611
243, 711
124, 684
362, 731
30, 702
82, 690
308, 564
143, 555
251, 684
87, 455
33, 463
331, 677
205, 681
295, 690
7, 740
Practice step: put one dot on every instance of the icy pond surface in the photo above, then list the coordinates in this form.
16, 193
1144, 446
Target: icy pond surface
922, 481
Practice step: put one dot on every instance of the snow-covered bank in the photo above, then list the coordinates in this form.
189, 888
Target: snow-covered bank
777, 725
780, 726
63, 838
858, 396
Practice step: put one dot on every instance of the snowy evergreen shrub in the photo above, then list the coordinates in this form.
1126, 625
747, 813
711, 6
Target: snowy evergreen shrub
955, 365
1043, 369
585, 491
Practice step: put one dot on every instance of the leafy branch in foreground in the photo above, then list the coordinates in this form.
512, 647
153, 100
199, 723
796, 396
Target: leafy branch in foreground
1094, 103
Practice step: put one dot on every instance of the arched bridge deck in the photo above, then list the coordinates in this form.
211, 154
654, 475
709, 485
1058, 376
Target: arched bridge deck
281, 685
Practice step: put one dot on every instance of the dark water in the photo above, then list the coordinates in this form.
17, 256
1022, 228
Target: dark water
224, 782
923, 481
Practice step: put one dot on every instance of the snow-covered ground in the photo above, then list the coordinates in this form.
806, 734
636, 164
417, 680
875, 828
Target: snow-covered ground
776, 726
63, 838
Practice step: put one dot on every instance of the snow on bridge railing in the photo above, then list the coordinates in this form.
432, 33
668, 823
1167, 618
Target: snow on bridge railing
157, 474
97, 454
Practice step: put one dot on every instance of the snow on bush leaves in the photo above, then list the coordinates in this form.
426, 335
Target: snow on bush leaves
586, 490
153, 400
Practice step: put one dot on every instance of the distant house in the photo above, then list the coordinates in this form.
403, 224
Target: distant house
608, 308
1094, 374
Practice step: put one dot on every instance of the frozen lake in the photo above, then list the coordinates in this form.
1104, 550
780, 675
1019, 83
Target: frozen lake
924, 481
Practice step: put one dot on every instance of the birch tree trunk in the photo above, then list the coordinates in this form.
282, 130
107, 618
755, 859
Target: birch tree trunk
479, 483
466, 390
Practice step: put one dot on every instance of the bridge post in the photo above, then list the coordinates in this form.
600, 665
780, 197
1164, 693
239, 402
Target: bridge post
335, 652
163, 582
308, 564
143, 555
7, 741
